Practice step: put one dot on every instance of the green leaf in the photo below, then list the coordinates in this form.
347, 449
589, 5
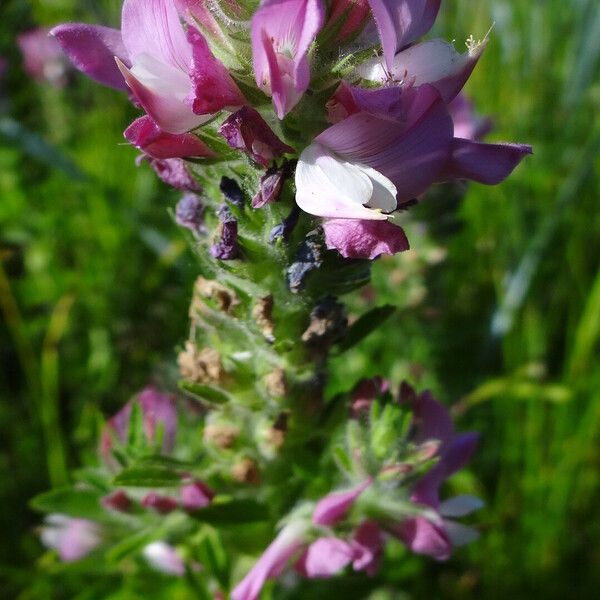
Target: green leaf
150, 476
132, 544
202, 391
366, 324
84, 504
232, 512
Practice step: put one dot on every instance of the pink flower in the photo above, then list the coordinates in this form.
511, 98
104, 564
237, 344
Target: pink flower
282, 34
395, 143
71, 538
43, 58
170, 70
271, 564
159, 412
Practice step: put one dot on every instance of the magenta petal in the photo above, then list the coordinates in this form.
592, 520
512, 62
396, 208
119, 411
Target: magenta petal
273, 561
333, 507
401, 22
368, 546
325, 557
246, 130
354, 238
424, 537
146, 136
92, 50
485, 163
213, 86
174, 173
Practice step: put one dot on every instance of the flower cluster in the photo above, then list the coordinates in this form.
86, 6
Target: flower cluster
397, 495
391, 134
299, 131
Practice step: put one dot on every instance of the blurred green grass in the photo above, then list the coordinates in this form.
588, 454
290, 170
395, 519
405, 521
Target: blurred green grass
499, 302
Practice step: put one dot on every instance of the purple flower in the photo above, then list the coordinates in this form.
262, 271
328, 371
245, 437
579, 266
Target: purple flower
289, 542
282, 34
395, 143
246, 130
173, 172
170, 70
401, 22
227, 247
433, 534
145, 135
189, 212
269, 187
43, 58
158, 411
71, 538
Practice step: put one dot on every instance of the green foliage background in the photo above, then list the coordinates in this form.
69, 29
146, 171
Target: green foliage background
498, 303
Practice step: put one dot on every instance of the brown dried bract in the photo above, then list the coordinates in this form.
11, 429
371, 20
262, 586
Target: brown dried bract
246, 471
221, 434
200, 365
225, 299
276, 383
262, 312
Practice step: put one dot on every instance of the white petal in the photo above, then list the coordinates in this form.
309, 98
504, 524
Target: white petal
327, 186
161, 77
384, 191
427, 62
459, 506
